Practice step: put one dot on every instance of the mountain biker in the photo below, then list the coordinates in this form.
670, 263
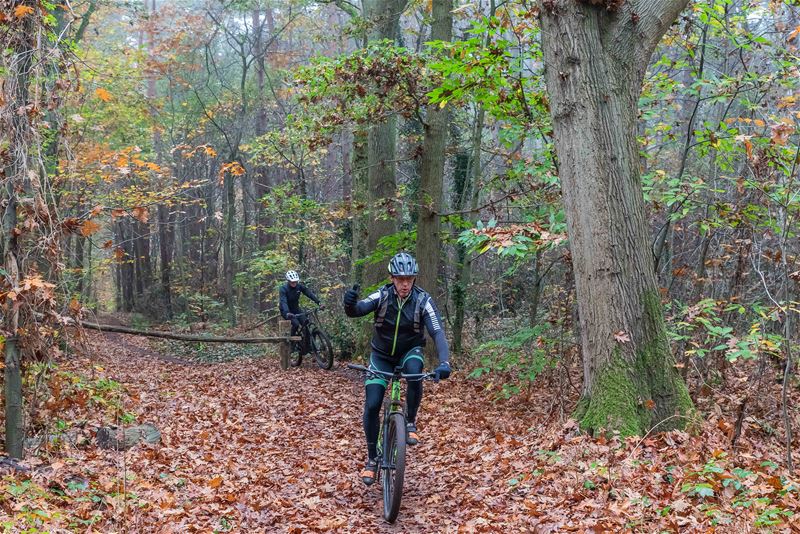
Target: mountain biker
289, 304
397, 341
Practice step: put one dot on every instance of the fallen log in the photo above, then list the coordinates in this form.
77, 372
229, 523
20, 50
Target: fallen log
184, 337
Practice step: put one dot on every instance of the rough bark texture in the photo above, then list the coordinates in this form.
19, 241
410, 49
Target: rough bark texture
17, 129
596, 59
384, 17
263, 180
432, 173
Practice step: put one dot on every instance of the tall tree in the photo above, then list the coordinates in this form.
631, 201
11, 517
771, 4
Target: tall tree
384, 16
597, 52
17, 125
31, 228
432, 172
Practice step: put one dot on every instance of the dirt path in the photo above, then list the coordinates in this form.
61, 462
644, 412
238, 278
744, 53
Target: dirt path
248, 447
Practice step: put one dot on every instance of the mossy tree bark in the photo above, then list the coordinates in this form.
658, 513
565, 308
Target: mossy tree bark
596, 57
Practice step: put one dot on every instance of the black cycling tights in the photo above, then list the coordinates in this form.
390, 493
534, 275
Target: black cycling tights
375, 391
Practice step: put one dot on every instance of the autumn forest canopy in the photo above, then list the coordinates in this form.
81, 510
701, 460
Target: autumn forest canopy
601, 195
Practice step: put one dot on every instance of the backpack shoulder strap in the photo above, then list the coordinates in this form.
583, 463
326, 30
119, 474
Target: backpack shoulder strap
422, 300
383, 304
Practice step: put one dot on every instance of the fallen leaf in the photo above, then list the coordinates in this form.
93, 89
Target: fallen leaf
622, 337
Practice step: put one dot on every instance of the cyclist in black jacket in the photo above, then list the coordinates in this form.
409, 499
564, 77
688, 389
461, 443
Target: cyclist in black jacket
289, 304
401, 309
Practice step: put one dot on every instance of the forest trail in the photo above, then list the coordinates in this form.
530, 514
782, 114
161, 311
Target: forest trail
249, 447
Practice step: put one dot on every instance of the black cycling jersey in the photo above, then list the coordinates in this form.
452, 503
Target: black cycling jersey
393, 338
290, 298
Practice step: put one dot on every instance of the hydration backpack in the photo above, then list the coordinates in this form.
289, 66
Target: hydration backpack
383, 304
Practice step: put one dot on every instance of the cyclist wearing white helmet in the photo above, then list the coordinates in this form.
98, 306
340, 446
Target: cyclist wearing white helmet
401, 309
289, 304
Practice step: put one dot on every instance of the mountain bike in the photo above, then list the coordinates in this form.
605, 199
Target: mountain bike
392, 437
315, 341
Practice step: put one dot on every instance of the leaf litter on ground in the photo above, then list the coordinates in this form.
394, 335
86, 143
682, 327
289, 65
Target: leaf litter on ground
247, 447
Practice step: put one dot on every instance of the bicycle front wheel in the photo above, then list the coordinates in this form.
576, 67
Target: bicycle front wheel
323, 351
394, 466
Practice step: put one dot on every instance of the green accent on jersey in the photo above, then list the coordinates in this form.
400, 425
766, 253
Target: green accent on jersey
397, 320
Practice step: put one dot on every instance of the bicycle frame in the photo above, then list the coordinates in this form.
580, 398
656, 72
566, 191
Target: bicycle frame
313, 340
391, 405
306, 329
392, 463
394, 402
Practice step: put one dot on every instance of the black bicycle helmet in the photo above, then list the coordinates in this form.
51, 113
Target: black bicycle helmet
403, 264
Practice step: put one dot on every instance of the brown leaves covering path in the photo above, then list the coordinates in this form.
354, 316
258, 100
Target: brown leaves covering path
279, 451
250, 448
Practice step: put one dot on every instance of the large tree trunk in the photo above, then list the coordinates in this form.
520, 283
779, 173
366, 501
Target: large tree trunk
383, 209
432, 173
16, 125
596, 58
384, 15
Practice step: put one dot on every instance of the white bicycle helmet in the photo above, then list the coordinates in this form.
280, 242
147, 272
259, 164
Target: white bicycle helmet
292, 276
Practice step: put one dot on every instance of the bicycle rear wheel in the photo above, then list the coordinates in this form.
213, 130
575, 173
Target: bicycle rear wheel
323, 351
394, 466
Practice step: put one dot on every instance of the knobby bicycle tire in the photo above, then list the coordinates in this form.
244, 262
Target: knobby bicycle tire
394, 465
323, 350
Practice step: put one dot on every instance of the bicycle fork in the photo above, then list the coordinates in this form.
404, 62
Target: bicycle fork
391, 406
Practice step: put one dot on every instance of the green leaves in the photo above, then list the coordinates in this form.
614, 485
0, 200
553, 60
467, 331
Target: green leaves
501, 69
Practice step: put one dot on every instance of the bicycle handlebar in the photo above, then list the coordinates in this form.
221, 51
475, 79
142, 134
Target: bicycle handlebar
407, 376
309, 312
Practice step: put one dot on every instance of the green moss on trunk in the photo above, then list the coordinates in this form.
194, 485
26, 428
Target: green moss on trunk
613, 404
633, 397
673, 407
